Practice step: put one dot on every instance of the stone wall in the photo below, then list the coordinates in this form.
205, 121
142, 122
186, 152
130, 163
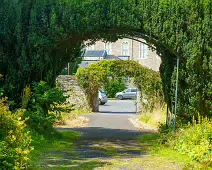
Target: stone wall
72, 90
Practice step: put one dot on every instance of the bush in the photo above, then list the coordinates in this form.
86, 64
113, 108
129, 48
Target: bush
113, 86
15, 140
195, 140
41, 106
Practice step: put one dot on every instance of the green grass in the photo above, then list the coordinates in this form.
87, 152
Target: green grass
54, 150
112, 98
157, 156
154, 118
154, 145
50, 142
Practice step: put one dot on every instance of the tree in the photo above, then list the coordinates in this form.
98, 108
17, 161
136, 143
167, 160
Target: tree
38, 38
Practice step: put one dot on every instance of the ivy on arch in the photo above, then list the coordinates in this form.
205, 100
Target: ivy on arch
147, 81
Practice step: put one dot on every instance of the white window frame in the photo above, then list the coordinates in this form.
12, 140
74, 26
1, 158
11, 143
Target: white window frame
143, 51
125, 49
108, 48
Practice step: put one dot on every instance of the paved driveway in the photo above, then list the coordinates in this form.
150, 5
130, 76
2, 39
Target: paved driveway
118, 107
112, 122
114, 115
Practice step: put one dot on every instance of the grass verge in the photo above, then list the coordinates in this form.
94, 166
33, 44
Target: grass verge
155, 156
154, 118
112, 98
50, 141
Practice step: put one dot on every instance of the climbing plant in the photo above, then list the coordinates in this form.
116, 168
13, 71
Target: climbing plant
148, 82
114, 85
38, 38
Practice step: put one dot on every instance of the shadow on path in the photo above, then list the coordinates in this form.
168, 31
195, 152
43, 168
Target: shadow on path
95, 148
100, 133
111, 112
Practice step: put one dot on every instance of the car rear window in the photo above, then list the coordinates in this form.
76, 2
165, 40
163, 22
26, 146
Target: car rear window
102, 91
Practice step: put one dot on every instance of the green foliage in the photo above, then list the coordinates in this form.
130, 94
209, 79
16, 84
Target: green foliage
38, 38
34, 45
15, 140
73, 66
42, 108
194, 140
146, 80
1, 89
113, 86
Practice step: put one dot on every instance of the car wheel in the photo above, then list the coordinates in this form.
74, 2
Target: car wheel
120, 97
102, 103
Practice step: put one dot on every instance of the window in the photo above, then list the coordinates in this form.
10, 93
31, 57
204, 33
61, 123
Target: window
143, 51
108, 48
125, 49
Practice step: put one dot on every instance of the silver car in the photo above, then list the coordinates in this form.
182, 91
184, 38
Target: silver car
127, 94
102, 97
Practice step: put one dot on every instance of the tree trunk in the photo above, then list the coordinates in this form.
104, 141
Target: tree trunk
95, 104
138, 102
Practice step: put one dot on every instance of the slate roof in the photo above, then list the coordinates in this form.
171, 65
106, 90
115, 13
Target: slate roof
95, 53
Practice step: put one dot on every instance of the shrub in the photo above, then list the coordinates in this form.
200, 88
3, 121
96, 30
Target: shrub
195, 140
113, 86
42, 108
15, 140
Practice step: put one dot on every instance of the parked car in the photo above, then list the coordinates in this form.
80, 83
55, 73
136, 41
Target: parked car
102, 97
130, 93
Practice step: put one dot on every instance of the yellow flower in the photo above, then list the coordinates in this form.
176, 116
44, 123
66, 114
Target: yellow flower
26, 152
19, 150
26, 159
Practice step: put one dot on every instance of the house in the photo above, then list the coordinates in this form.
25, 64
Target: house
128, 49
